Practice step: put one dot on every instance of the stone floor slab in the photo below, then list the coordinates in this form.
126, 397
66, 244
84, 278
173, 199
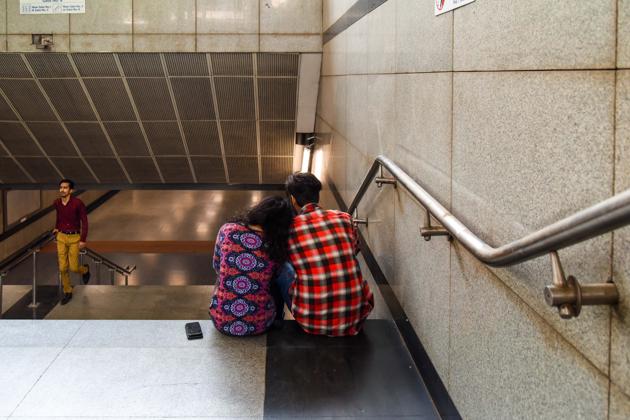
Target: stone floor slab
136, 302
36, 333
155, 334
11, 294
20, 368
149, 382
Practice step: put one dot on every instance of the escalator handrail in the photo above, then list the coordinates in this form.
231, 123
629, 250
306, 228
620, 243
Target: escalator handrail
598, 219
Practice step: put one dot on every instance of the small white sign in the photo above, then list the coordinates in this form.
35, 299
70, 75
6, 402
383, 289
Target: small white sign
51, 7
443, 6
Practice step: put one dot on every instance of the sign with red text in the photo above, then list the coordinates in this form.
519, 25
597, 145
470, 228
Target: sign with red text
51, 7
443, 6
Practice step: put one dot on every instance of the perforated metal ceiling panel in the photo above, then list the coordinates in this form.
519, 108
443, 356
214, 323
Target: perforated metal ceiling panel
243, 169
96, 65
277, 138
277, 98
236, 98
17, 140
278, 65
52, 138
90, 139
164, 138
10, 172
74, 168
40, 169
141, 170
107, 170
239, 138
174, 169
194, 98
232, 64
182, 64
68, 98
202, 137
127, 138
27, 99
141, 65
50, 65
12, 65
152, 99
6, 113
146, 118
111, 99
274, 170
209, 169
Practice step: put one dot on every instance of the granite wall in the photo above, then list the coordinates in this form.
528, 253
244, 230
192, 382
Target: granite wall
170, 26
514, 115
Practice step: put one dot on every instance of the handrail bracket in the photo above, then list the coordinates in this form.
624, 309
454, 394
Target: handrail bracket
428, 230
382, 179
568, 295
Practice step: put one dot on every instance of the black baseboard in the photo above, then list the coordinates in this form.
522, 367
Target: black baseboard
442, 400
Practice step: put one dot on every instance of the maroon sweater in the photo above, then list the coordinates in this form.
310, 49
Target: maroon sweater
72, 216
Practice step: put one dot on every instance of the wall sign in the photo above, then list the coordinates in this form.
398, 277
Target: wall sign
443, 6
51, 7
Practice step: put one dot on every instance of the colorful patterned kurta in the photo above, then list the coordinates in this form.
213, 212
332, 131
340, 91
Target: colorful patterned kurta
242, 303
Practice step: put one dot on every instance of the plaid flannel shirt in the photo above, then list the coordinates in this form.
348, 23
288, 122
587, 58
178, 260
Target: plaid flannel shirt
329, 295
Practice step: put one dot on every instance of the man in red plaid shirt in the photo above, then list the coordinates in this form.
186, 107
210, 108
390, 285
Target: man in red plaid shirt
329, 295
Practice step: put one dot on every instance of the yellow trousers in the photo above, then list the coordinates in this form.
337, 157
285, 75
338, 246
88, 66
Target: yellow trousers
68, 258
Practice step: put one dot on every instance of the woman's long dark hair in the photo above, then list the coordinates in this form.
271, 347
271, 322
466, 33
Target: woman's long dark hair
274, 215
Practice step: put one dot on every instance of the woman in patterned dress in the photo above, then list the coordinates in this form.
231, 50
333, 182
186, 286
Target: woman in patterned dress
248, 251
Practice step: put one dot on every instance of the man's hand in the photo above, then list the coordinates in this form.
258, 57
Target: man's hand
82, 245
55, 231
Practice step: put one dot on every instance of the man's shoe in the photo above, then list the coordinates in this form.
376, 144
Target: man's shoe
66, 298
85, 278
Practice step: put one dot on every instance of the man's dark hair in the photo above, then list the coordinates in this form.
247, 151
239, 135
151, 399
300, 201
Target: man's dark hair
67, 181
304, 187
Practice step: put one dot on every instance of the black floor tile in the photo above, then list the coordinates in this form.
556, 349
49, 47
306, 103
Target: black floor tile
376, 333
47, 296
363, 378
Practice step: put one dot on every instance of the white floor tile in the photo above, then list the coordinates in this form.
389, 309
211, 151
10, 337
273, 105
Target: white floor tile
20, 368
40, 333
145, 333
151, 382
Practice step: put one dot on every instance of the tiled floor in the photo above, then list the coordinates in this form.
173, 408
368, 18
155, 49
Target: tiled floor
126, 355
142, 369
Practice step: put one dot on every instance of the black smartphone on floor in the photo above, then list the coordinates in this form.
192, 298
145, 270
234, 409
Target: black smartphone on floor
193, 331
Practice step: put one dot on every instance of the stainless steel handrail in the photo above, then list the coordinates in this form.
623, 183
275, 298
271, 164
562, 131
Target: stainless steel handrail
35, 247
32, 250
99, 259
603, 217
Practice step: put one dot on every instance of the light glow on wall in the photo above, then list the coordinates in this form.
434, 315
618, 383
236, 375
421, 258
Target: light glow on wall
306, 158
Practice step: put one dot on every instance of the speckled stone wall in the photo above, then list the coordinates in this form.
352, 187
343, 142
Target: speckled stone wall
170, 26
514, 115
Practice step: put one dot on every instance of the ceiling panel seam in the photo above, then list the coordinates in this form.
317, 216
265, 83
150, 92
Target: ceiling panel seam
179, 122
59, 119
138, 120
256, 107
31, 135
28, 175
98, 117
215, 103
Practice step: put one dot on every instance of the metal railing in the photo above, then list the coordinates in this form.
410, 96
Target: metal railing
565, 292
111, 266
35, 247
